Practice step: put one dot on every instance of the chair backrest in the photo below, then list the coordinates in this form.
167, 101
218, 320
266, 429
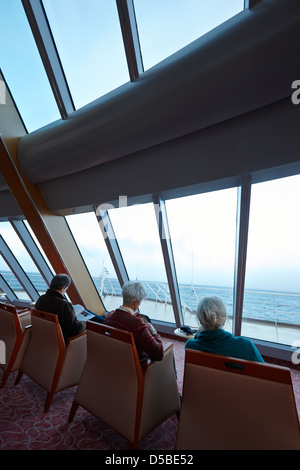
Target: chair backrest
229, 403
11, 332
111, 382
46, 349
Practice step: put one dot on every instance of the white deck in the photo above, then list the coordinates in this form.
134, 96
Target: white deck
164, 312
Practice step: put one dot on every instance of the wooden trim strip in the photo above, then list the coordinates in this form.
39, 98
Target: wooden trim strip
18, 341
127, 337
33, 214
239, 366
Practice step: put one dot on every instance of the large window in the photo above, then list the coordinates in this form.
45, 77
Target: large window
13, 283
136, 231
272, 291
167, 26
25, 261
89, 239
202, 229
88, 38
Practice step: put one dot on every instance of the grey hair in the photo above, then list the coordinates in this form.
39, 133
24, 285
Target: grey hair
133, 291
211, 313
59, 281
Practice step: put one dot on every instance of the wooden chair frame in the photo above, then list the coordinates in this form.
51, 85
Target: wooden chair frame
141, 370
62, 346
260, 375
20, 316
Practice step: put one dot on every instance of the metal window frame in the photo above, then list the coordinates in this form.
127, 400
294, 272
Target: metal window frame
111, 244
242, 225
42, 34
131, 40
32, 249
7, 291
17, 270
166, 246
248, 4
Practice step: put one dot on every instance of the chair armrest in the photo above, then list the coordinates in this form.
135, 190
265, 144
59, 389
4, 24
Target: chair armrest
25, 318
161, 396
151, 362
73, 338
23, 311
167, 346
76, 351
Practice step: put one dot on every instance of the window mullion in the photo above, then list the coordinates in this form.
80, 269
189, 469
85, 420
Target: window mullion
18, 271
243, 211
165, 240
112, 244
28, 242
130, 38
45, 43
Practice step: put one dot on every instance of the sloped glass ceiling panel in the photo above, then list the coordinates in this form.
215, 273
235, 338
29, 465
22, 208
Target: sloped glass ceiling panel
89, 42
23, 69
167, 26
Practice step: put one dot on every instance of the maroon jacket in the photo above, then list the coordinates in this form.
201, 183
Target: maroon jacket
147, 345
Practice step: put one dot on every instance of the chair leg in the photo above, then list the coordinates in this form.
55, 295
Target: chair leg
73, 411
132, 445
48, 401
19, 376
4, 378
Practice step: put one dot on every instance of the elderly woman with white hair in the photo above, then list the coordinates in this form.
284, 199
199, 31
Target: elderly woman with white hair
212, 338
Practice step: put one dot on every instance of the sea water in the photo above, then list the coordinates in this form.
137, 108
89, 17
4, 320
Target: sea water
268, 306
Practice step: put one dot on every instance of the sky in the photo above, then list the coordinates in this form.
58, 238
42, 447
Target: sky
88, 38
203, 237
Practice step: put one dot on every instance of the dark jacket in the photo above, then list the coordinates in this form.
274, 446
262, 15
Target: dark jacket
54, 302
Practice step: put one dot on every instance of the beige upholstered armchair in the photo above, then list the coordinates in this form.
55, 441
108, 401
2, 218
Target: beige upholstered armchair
15, 336
114, 387
50, 362
233, 404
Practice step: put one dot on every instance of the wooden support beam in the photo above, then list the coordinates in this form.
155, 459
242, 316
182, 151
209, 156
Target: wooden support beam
52, 233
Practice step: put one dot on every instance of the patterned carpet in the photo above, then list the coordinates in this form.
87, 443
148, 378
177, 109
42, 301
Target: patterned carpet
24, 426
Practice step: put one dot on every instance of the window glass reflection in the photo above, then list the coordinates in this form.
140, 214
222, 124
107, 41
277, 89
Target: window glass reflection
90, 241
167, 26
136, 231
12, 281
21, 254
272, 288
202, 229
89, 42
39, 246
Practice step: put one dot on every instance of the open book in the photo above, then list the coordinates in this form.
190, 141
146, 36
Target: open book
81, 314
